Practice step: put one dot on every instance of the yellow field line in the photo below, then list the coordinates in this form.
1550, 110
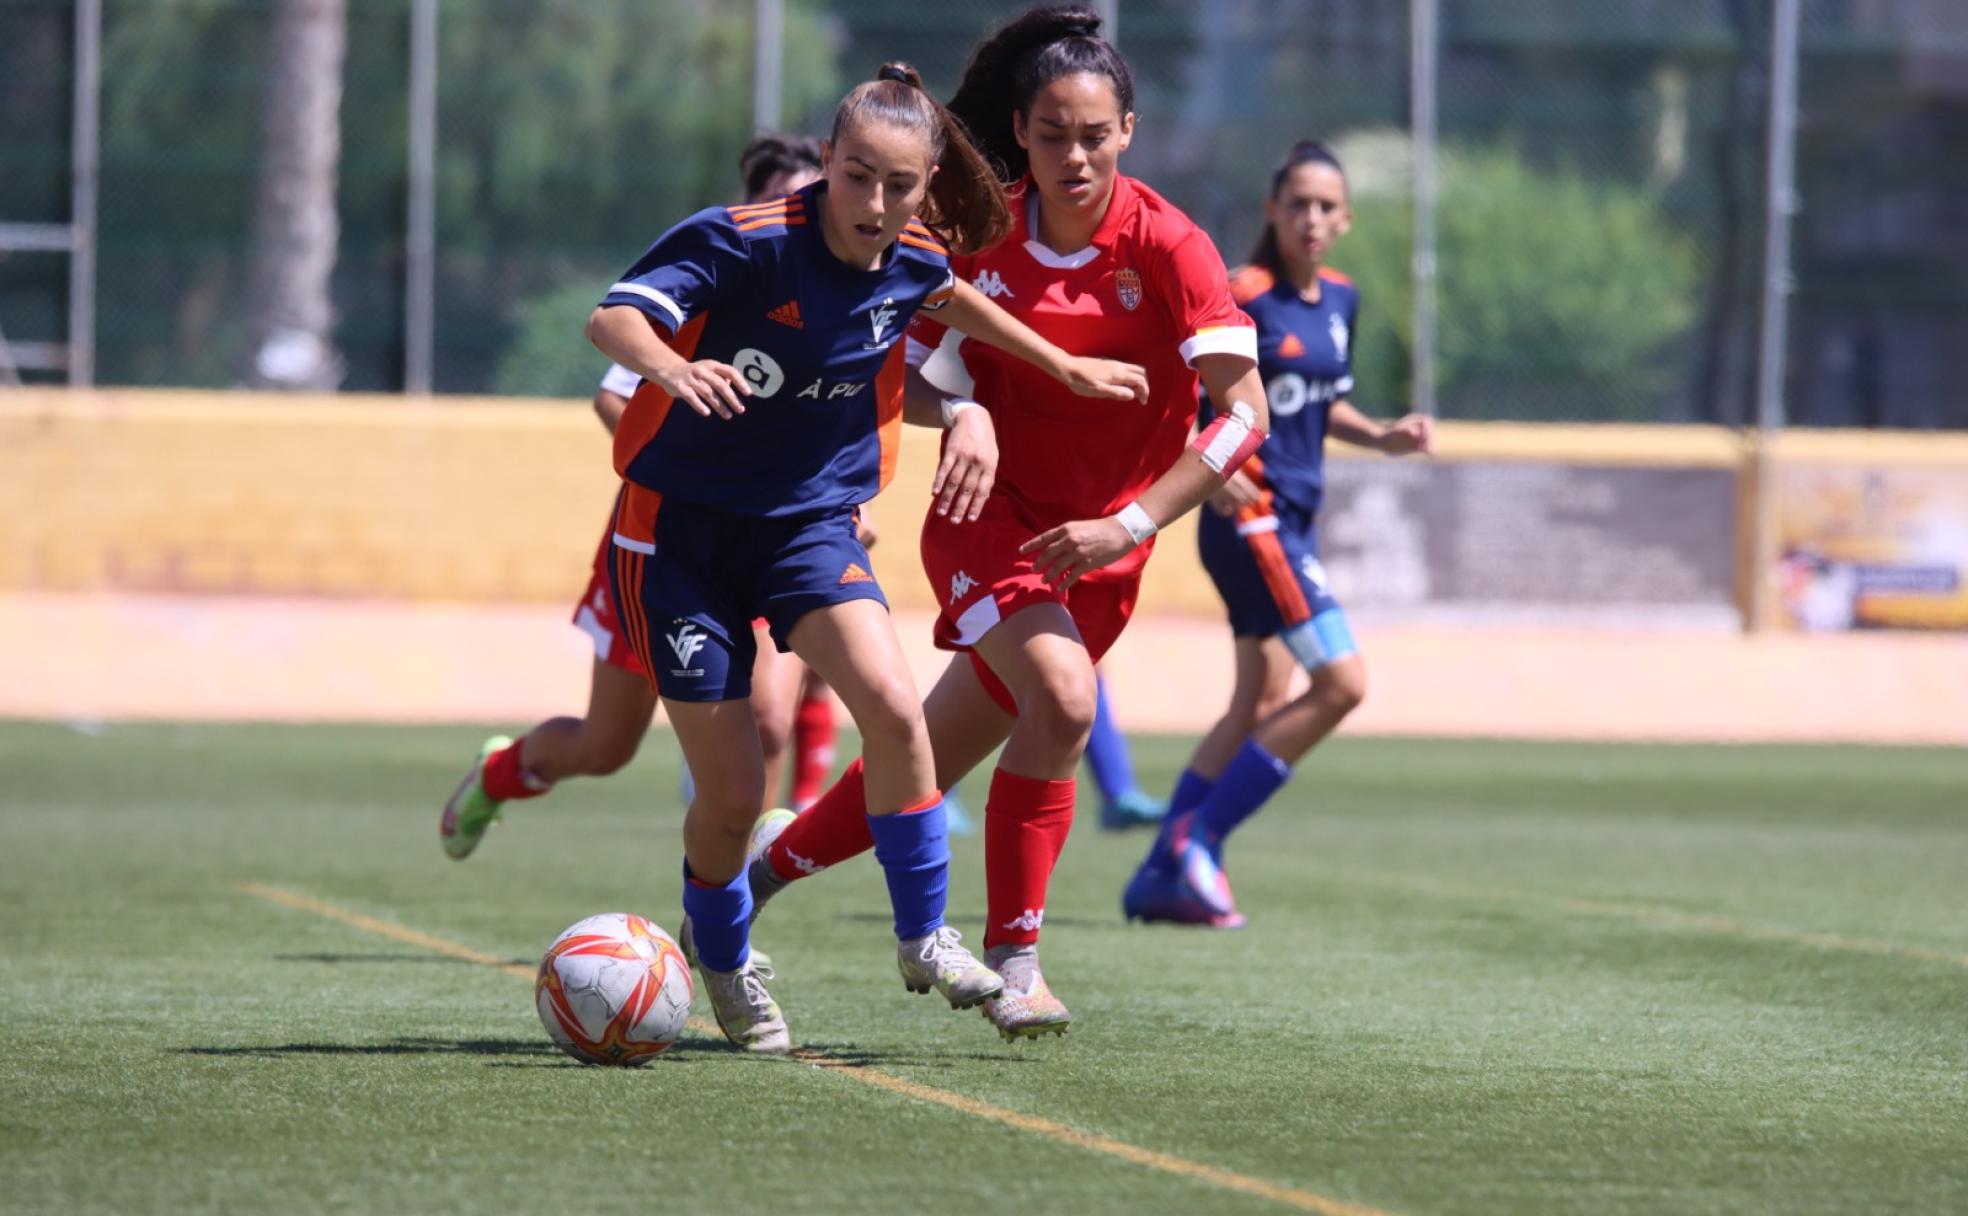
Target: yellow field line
1288, 1196
1698, 922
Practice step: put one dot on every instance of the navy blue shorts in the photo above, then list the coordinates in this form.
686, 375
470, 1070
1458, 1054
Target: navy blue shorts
690, 581
1266, 567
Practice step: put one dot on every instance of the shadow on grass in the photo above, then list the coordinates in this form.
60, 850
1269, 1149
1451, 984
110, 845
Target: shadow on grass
395, 958
538, 1052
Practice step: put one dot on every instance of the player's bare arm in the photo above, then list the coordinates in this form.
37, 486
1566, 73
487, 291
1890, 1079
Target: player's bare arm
972, 314
1405, 436
1067, 552
970, 452
625, 335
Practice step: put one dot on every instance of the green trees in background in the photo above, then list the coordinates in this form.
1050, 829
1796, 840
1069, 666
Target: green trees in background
1557, 296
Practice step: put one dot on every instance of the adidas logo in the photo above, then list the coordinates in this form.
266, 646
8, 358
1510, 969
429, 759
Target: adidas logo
1027, 921
1291, 347
855, 574
787, 314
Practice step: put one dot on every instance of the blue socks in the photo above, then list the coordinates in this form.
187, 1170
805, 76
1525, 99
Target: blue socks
914, 853
1252, 777
1107, 752
1190, 790
720, 920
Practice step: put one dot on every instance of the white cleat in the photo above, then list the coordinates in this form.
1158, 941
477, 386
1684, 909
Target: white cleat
745, 1011
765, 882
1026, 1008
940, 961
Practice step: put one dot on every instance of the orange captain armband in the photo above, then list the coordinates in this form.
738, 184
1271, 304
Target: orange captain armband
1231, 439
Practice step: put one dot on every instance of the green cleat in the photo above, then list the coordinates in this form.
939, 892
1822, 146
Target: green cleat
471, 810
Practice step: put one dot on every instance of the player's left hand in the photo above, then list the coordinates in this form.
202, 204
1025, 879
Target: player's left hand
1105, 378
1071, 550
1406, 436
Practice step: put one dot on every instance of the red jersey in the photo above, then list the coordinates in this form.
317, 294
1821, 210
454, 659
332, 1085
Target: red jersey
1150, 289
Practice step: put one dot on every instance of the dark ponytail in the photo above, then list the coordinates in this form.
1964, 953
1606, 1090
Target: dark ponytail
1009, 68
965, 204
1304, 152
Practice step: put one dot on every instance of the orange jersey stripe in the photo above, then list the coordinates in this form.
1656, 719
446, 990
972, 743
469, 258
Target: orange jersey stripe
1249, 282
776, 204
933, 247
888, 410
1279, 578
777, 221
650, 405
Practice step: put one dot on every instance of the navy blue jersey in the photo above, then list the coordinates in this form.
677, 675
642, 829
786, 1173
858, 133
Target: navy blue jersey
819, 342
1305, 355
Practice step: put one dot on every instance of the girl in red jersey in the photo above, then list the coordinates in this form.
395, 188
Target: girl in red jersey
1040, 587
769, 340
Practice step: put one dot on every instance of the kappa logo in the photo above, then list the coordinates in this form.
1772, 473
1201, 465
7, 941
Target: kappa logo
855, 574
1341, 336
880, 319
1127, 285
805, 865
1027, 921
990, 284
686, 642
960, 585
1291, 347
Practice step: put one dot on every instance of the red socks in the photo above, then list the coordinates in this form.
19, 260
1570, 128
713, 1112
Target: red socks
505, 778
827, 833
813, 747
1025, 825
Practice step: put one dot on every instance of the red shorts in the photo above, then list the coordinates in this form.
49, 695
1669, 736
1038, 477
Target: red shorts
595, 615
980, 578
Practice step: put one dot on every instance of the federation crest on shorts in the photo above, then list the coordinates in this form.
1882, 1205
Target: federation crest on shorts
1127, 285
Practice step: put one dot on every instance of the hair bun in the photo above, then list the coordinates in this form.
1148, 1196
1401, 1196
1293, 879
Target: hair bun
900, 72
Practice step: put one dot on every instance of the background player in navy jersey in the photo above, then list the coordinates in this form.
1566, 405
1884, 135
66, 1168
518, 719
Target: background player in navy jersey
770, 344
1260, 548
620, 700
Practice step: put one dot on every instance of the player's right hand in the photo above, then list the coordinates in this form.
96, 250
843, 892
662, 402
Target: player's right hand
969, 466
1107, 378
1238, 492
707, 386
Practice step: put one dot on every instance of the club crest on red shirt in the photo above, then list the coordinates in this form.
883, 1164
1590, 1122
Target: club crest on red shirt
1127, 285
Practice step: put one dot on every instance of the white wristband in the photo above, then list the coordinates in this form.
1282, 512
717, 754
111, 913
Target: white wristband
1137, 522
952, 406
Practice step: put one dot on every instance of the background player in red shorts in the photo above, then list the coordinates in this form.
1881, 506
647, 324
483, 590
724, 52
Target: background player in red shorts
1040, 586
620, 700
1262, 551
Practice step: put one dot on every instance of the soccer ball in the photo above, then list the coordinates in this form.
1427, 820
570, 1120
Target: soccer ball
614, 989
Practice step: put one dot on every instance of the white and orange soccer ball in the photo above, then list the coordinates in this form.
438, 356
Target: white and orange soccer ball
614, 989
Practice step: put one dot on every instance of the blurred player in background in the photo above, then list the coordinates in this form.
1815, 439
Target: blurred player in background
1260, 547
1040, 587
769, 340
621, 703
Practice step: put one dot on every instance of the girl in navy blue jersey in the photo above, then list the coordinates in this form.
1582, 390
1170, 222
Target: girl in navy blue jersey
1261, 550
770, 344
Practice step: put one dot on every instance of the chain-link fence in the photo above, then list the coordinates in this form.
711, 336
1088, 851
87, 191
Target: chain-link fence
1600, 217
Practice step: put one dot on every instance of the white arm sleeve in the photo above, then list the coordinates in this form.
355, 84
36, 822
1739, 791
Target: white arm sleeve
620, 380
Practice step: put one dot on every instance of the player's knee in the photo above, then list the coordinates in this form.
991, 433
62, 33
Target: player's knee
891, 714
1343, 685
1061, 701
728, 803
775, 727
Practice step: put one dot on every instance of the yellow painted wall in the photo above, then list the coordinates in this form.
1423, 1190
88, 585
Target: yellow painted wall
498, 499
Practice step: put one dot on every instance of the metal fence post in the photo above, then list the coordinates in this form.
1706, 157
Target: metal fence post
1424, 36
1780, 202
767, 63
420, 220
86, 151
